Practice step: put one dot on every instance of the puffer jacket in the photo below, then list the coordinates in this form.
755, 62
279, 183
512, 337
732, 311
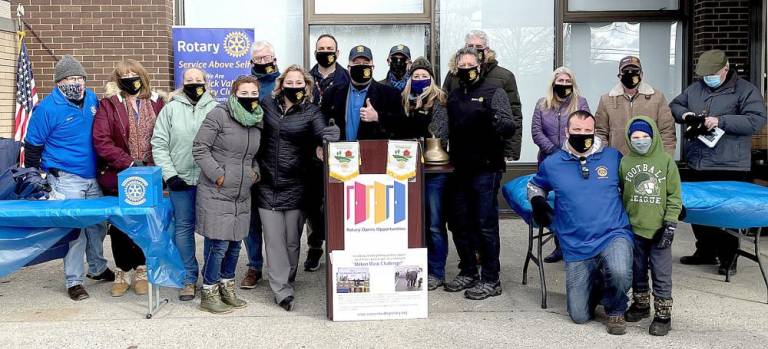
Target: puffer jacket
288, 142
548, 126
740, 110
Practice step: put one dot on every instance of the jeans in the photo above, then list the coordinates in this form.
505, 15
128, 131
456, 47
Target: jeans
91, 240
184, 237
253, 241
475, 217
605, 278
437, 237
220, 260
646, 255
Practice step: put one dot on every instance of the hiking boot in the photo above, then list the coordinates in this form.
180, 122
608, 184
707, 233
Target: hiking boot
227, 290
287, 303
698, 259
616, 325
210, 300
662, 319
251, 279
121, 284
140, 284
187, 293
77, 293
461, 282
725, 269
433, 282
640, 307
483, 290
106, 275
313, 259
555, 256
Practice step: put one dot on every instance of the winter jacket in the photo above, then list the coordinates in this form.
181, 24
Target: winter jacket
175, 128
111, 134
224, 147
340, 76
503, 78
479, 119
741, 112
651, 182
422, 122
615, 109
288, 143
386, 100
589, 212
549, 126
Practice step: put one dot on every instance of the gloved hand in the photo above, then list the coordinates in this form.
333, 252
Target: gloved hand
666, 235
137, 163
331, 133
694, 119
175, 183
542, 212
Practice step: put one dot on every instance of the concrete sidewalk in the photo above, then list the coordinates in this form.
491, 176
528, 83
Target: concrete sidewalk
35, 312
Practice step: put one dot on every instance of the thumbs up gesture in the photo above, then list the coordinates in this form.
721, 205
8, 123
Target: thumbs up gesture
367, 113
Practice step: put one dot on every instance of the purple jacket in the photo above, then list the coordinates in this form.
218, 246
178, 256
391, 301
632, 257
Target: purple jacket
548, 126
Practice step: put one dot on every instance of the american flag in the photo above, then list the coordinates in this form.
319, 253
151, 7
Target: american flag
26, 97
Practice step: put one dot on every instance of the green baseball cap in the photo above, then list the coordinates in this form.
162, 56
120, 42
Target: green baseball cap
710, 62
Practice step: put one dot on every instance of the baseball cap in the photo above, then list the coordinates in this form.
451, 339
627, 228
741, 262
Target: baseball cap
629, 61
710, 62
401, 49
360, 51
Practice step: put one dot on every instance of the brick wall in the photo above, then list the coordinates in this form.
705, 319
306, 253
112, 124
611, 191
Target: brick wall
100, 34
7, 82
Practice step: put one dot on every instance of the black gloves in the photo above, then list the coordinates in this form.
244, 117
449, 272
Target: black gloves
176, 184
137, 163
542, 212
666, 235
694, 126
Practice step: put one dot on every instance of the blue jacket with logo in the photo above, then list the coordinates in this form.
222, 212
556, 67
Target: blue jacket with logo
589, 213
64, 130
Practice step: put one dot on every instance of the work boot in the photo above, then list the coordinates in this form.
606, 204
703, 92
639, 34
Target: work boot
121, 284
77, 293
313, 259
106, 275
616, 325
640, 307
461, 282
698, 259
433, 282
227, 290
483, 290
662, 319
188, 292
140, 284
210, 300
251, 279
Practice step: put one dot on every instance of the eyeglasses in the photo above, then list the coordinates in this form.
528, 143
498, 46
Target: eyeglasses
74, 79
476, 47
263, 59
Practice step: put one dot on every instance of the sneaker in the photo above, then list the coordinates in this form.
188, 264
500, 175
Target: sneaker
251, 279
106, 275
77, 293
120, 286
555, 256
313, 259
698, 259
483, 290
461, 282
287, 303
616, 325
140, 284
188, 292
433, 282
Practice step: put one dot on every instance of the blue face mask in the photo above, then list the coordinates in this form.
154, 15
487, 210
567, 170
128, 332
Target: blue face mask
712, 81
641, 145
418, 86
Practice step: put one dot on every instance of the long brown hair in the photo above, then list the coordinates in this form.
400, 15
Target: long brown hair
132, 66
431, 95
308, 81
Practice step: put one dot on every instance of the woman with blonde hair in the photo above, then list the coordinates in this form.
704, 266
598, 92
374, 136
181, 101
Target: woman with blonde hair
550, 119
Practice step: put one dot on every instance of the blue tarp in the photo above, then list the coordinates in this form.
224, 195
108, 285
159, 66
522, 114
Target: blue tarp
736, 205
29, 228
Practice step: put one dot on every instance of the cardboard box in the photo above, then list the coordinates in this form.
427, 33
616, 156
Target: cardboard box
140, 186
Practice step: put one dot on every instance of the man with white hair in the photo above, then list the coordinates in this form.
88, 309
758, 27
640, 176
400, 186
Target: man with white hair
264, 67
496, 76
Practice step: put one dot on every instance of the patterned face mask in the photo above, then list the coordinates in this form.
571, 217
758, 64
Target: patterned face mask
73, 92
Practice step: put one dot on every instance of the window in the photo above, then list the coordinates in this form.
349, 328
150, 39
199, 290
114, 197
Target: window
622, 5
340, 7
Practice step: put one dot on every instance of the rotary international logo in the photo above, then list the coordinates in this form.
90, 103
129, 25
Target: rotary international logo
472, 74
367, 73
236, 44
602, 171
135, 189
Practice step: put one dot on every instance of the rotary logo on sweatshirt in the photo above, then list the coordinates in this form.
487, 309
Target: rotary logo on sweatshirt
645, 183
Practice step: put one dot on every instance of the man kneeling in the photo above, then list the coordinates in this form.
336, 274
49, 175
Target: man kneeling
590, 222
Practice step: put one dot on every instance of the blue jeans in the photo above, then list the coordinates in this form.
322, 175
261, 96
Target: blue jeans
254, 239
91, 240
604, 278
220, 260
184, 237
659, 260
437, 237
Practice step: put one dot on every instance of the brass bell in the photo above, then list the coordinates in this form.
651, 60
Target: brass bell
435, 155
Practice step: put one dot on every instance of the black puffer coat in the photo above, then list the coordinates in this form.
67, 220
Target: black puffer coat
288, 141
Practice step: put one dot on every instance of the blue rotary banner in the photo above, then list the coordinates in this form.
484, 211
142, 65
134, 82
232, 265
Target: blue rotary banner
223, 53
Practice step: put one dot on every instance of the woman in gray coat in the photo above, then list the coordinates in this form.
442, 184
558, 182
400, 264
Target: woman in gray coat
225, 149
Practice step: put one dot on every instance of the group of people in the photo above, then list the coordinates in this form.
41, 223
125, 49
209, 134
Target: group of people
251, 169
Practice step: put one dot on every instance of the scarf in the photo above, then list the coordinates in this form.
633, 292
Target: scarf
141, 123
242, 116
398, 84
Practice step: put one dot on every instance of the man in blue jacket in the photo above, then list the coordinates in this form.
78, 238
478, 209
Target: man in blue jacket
59, 142
590, 221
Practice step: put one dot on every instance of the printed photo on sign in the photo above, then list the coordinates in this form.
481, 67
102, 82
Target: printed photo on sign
375, 213
409, 278
353, 280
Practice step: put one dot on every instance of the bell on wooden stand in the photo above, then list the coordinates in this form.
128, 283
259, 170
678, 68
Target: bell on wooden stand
434, 153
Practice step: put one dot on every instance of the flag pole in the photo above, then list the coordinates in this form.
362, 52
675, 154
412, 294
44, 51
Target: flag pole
20, 25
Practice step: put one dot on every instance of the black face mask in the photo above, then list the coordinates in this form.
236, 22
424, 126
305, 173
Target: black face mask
325, 59
468, 76
630, 79
130, 86
194, 91
249, 103
361, 74
294, 94
562, 91
580, 142
263, 69
398, 66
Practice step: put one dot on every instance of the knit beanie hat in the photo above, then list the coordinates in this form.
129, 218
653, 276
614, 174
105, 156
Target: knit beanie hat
67, 66
421, 63
640, 125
